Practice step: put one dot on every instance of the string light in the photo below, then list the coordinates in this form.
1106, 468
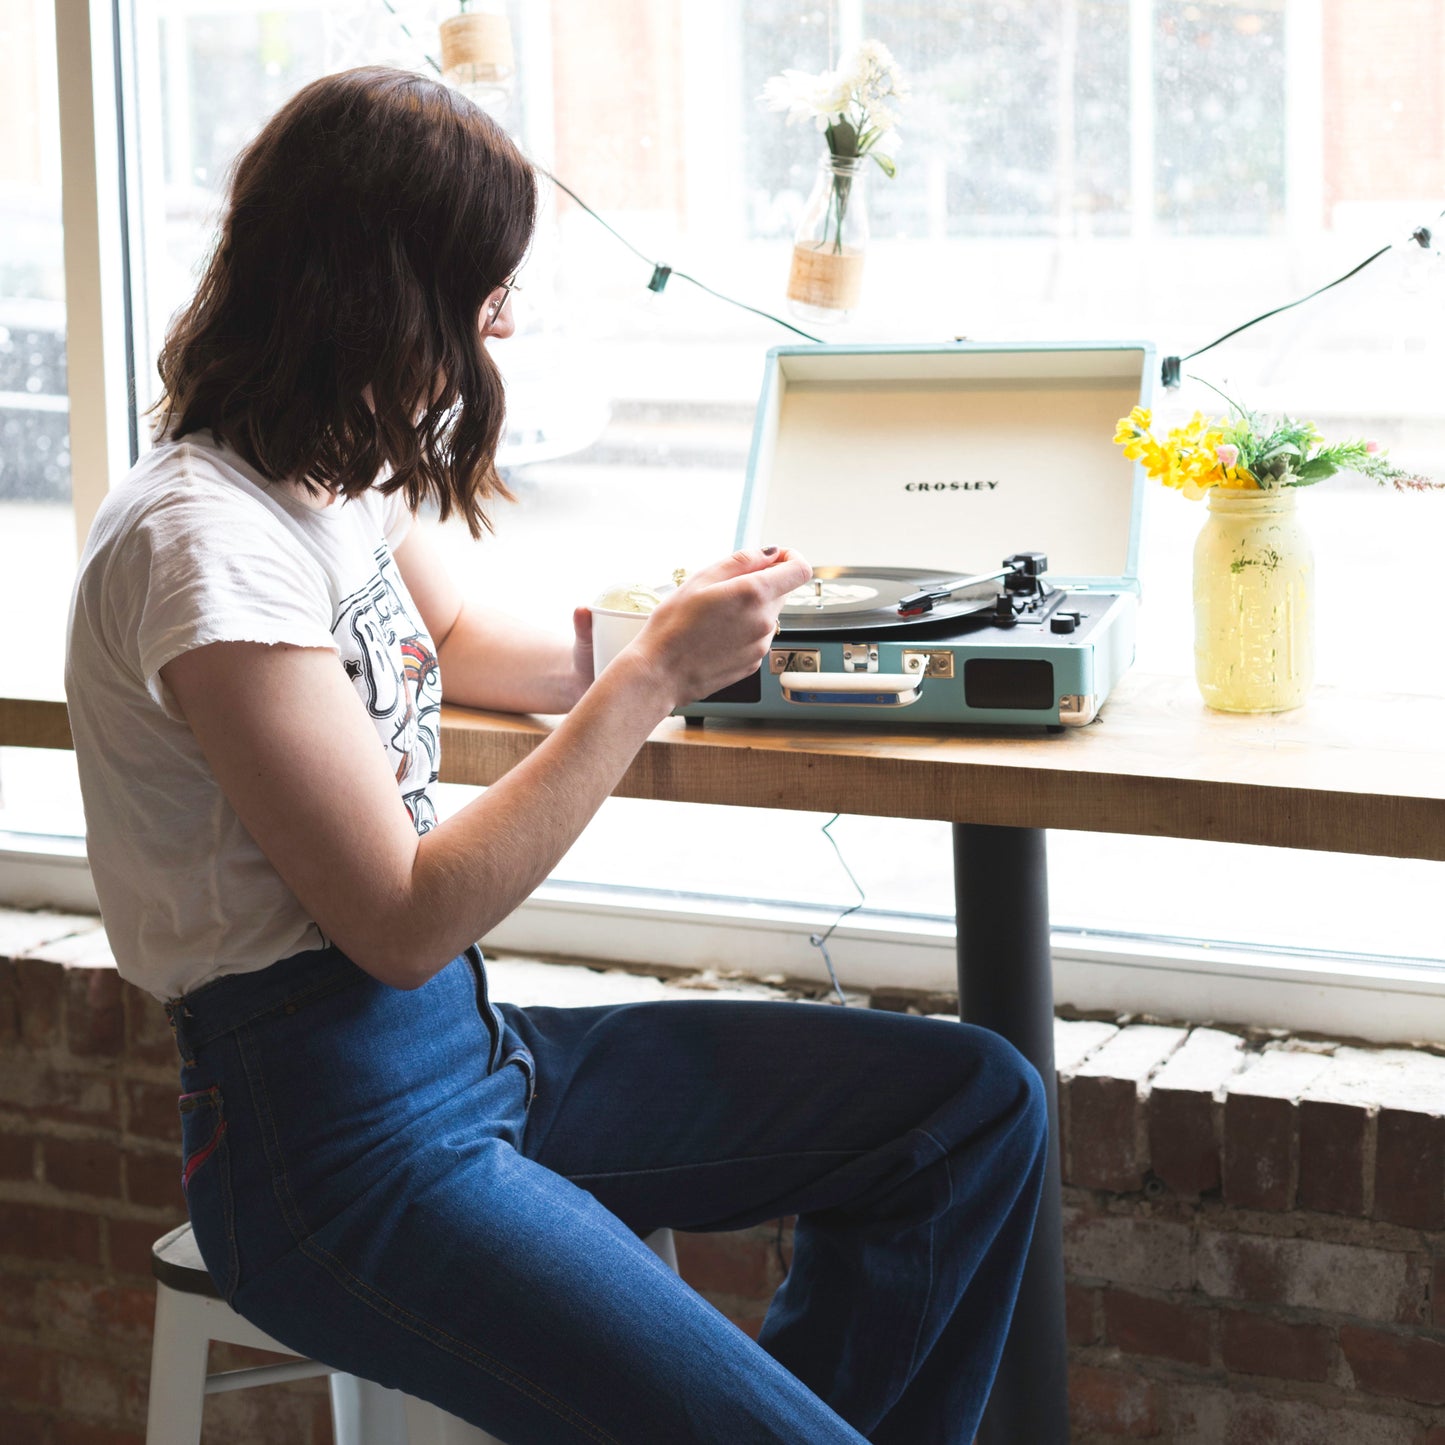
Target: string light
1171, 368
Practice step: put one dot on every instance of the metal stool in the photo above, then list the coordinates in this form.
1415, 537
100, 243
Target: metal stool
190, 1314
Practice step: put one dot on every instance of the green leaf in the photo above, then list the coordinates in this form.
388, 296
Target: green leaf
885, 164
842, 138
1316, 469
1279, 449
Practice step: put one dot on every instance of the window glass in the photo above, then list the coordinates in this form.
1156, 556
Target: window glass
37, 533
1220, 118
1097, 169
37, 522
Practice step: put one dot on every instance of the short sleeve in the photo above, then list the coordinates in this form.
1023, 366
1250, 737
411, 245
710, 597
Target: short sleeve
202, 567
396, 517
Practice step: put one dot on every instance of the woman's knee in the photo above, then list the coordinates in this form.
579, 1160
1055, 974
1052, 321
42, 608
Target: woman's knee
1003, 1091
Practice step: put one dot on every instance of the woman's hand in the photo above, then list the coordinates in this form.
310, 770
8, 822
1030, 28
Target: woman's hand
717, 626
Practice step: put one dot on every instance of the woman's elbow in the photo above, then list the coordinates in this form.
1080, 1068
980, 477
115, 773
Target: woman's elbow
401, 966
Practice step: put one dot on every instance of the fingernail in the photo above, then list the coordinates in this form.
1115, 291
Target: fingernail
768, 551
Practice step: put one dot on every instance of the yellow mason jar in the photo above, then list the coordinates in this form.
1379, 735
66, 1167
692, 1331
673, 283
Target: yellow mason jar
1254, 644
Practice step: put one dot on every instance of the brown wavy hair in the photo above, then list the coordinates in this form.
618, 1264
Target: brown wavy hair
367, 225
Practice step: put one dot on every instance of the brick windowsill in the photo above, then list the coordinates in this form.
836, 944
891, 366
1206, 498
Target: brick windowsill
1254, 1225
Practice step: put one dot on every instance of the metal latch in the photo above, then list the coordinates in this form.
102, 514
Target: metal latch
860, 657
929, 664
786, 659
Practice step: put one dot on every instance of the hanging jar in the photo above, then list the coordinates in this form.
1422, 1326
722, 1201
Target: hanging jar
1253, 602
830, 243
477, 46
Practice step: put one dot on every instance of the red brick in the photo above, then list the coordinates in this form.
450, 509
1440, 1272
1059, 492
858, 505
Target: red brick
17, 1157
1216, 1415
151, 1112
742, 1263
1332, 1156
1103, 1134
39, 1001
73, 1097
1353, 1280
82, 1166
1410, 1169
1255, 1344
1144, 1326
18, 1307
281, 1415
28, 1376
9, 1005
1112, 1403
1152, 1253
93, 1389
130, 1242
24, 1429
120, 1314
154, 1179
38, 1232
1079, 1314
94, 1016
78, 1432
1400, 1365
147, 1033
1183, 1151
1259, 1150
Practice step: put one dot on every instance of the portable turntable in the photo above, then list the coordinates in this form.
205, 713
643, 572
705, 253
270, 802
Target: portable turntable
956, 458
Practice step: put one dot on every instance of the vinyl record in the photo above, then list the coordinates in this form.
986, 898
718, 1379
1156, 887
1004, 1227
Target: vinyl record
847, 598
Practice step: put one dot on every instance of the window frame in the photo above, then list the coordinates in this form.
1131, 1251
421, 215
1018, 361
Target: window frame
1370, 997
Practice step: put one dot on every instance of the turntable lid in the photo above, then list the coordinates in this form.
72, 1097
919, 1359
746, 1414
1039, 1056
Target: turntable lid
950, 457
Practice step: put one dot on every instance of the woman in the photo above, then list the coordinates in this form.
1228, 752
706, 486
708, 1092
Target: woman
385, 1169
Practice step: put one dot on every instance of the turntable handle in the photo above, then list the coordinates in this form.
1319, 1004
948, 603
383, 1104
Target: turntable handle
851, 689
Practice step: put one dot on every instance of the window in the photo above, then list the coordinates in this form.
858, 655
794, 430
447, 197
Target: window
1105, 168
37, 520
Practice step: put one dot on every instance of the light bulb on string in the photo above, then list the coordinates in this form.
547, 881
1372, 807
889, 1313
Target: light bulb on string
1420, 268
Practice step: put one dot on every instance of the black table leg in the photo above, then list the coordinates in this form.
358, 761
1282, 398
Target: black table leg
1005, 983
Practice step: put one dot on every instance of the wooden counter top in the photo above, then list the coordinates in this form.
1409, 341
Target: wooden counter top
1345, 773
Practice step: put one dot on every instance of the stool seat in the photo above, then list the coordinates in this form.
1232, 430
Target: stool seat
176, 1261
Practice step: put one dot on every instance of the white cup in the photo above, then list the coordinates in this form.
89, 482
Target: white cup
614, 627
611, 632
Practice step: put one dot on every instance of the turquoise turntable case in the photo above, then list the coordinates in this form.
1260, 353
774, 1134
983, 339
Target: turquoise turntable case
949, 459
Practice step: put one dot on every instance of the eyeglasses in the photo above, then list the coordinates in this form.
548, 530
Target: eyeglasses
499, 297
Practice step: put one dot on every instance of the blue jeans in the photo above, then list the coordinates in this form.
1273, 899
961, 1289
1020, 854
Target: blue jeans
446, 1196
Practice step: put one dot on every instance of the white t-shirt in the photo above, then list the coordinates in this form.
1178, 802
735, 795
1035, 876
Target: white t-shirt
194, 547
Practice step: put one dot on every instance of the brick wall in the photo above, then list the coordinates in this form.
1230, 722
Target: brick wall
1255, 1226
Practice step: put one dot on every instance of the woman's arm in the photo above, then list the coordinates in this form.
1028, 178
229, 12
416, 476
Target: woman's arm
296, 756
487, 658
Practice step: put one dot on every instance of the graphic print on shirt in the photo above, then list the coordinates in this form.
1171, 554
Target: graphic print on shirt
389, 657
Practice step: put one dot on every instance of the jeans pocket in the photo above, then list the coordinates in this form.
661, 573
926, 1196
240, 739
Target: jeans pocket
206, 1183
528, 1065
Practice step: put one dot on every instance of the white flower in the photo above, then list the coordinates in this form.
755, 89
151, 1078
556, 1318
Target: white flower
856, 92
883, 117
794, 91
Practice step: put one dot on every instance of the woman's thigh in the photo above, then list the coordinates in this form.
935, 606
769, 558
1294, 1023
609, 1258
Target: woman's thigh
517, 1301
716, 1115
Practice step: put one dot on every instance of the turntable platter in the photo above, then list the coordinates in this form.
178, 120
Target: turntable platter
846, 598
